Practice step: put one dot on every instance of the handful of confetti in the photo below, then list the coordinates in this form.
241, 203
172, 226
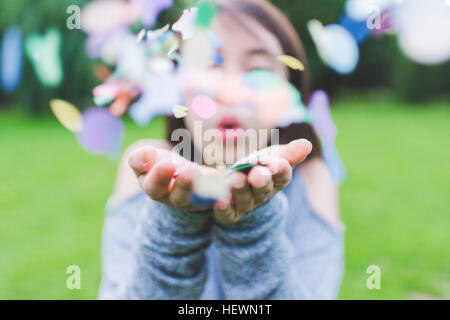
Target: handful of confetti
209, 189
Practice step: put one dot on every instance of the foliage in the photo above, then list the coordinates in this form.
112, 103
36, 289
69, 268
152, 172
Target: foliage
382, 64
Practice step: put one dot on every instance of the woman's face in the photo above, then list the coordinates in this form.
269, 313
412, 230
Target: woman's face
247, 46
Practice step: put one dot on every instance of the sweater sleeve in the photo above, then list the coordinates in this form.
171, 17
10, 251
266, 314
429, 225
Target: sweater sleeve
259, 261
163, 255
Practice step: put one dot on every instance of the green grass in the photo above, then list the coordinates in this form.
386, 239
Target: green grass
395, 201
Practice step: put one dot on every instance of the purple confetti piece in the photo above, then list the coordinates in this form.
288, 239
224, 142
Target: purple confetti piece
97, 41
101, 132
321, 119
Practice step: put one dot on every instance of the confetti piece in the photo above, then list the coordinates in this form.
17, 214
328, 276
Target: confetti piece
197, 51
107, 89
160, 65
114, 13
186, 23
204, 107
67, 114
342, 54
358, 29
101, 101
222, 168
291, 62
201, 201
179, 111
245, 164
260, 80
206, 12
101, 133
120, 104
334, 162
96, 44
102, 72
244, 167
336, 46
131, 61
11, 63
386, 26
207, 189
321, 119
155, 34
149, 105
140, 35
216, 44
427, 42
361, 10
44, 53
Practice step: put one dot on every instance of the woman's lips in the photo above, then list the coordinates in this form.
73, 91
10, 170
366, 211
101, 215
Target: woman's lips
230, 129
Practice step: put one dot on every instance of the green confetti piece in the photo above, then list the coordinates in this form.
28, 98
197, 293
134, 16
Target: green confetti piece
101, 101
206, 12
244, 167
44, 54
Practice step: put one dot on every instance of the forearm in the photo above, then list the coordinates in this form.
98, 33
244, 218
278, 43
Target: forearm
256, 256
169, 254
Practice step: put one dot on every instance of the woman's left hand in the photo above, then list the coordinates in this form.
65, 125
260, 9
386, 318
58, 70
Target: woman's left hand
262, 182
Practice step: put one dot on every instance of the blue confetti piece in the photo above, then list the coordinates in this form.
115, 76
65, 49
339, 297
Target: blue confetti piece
11, 64
358, 29
199, 200
333, 161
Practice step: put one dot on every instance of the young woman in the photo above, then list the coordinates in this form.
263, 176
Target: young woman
279, 235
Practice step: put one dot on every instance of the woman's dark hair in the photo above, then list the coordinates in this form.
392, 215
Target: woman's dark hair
277, 23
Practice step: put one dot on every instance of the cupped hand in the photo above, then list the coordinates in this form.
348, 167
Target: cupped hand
155, 169
262, 182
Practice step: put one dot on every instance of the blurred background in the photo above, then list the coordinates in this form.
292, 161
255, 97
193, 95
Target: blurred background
392, 116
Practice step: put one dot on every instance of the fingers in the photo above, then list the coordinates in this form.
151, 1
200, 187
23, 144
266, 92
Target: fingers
260, 179
250, 191
142, 160
156, 183
296, 151
242, 193
224, 212
281, 172
182, 190
241, 200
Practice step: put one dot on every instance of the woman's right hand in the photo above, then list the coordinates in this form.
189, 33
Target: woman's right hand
155, 169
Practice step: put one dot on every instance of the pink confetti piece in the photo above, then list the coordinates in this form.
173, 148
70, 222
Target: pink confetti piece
204, 107
108, 89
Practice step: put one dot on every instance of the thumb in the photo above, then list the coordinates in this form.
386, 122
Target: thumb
142, 160
296, 151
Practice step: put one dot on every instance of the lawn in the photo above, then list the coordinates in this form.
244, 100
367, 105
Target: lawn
395, 201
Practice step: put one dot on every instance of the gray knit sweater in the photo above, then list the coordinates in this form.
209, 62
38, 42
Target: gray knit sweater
280, 250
